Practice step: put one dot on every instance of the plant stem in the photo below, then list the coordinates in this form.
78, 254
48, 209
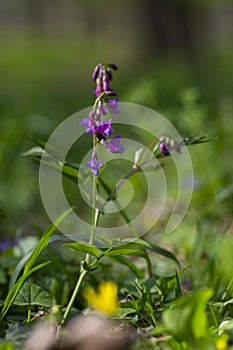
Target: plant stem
29, 314
95, 216
74, 295
133, 171
121, 183
95, 211
213, 316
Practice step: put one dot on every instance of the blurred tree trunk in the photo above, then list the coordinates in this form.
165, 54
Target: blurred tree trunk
185, 26
168, 26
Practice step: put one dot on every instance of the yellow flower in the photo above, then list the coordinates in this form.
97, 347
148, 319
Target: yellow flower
104, 300
222, 342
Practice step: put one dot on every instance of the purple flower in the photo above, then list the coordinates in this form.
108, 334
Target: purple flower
7, 244
114, 145
112, 106
102, 130
102, 75
96, 72
100, 110
95, 164
106, 82
98, 89
90, 122
85, 122
167, 144
164, 148
105, 128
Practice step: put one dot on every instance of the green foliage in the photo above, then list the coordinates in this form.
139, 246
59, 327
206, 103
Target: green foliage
168, 302
84, 248
186, 318
29, 267
32, 294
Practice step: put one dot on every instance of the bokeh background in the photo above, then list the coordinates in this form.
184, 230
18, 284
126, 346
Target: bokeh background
174, 56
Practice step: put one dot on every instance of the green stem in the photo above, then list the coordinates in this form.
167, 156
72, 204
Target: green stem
133, 171
95, 211
74, 295
29, 314
213, 315
95, 216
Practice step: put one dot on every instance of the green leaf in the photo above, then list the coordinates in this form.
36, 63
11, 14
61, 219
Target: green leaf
226, 325
186, 319
42, 244
62, 239
70, 172
32, 294
54, 160
119, 252
138, 155
125, 251
153, 247
17, 334
16, 288
67, 171
123, 312
18, 269
49, 148
3, 278
28, 268
6, 346
121, 248
35, 152
84, 248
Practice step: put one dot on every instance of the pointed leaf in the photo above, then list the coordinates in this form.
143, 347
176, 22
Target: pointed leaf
42, 244
84, 248
153, 247
49, 148
35, 152
67, 171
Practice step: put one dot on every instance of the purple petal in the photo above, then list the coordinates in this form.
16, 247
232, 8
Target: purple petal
120, 149
90, 131
95, 165
105, 128
96, 72
85, 122
112, 106
114, 145
164, 149
106, 86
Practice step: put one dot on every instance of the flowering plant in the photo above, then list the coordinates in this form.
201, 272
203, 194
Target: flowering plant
146, 300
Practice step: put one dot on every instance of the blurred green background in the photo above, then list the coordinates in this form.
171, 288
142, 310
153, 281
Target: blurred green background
174, 56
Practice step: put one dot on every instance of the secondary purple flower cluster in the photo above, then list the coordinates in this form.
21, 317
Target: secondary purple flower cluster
168, 144
7, 244
102, 76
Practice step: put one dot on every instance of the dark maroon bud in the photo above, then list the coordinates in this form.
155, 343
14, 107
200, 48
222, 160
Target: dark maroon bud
110, 93
113, 66
109, 74
101, 137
